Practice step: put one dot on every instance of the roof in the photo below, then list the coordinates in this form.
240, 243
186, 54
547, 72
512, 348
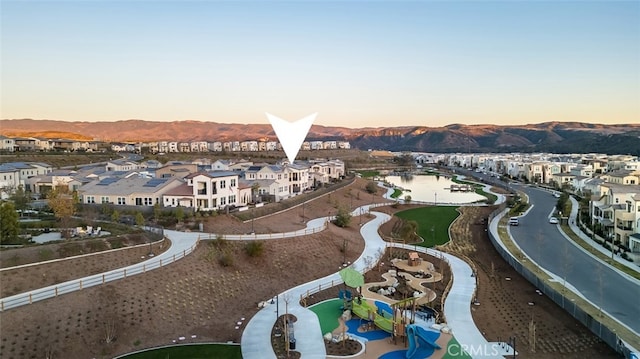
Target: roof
214, 174
126, 186
181, 190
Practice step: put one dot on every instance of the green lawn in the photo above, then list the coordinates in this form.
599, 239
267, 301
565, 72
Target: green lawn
328, 313
396, 193
455, 350
195, 351
368, 173
433, 223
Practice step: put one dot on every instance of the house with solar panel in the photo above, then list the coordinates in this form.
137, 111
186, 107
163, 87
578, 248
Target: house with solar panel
131, 191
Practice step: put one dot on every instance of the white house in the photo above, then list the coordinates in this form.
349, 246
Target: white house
209, 191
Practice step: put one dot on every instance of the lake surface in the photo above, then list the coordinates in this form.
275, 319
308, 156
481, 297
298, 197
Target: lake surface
432, 189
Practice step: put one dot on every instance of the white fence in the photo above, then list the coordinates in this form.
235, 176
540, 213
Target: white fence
90, 281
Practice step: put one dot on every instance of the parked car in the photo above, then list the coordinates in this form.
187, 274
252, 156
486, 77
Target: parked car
553, 220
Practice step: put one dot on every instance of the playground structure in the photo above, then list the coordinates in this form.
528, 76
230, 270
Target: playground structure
421, 342
392, 315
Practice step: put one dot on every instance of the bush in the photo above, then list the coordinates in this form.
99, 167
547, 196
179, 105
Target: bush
343, 218
254, 248
371, 187
225, 259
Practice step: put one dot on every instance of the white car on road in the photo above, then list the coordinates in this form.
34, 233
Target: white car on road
553, 220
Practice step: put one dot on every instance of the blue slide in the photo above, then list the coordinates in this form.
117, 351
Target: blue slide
422, 342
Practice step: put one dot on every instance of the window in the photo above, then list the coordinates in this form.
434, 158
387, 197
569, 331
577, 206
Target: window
91, 199
104, 199
138, 201
148, 201
223, 184
232, 198
223, 201
122, 200
233, 182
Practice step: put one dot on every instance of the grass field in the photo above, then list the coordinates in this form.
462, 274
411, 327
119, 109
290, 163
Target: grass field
433, 223
192, 351
396, 193
328, 313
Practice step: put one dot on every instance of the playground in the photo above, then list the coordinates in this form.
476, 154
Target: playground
391, 318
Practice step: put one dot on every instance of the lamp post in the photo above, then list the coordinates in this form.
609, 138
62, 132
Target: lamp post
435, 198
512, 342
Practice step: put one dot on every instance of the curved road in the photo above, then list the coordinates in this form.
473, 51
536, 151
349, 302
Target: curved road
615, 292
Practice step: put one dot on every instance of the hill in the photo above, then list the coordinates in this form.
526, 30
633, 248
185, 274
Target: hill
560, 137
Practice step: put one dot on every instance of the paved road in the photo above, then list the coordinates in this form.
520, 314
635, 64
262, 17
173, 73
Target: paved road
615, 292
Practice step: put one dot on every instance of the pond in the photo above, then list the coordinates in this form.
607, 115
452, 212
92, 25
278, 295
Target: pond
430, 188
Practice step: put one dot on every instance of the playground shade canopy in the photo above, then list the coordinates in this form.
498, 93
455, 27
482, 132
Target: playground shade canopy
352, 277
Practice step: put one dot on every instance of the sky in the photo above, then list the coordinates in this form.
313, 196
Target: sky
356, 63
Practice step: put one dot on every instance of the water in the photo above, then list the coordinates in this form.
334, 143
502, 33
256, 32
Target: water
432, 189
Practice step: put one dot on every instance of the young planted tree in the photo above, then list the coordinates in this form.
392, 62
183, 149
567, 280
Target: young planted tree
371, 187
9, 224
20, 198
63, 204
139, 219
343, 218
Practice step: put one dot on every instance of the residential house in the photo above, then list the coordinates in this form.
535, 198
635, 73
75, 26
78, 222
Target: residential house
212, 190
298, 176
163, 147
330, 145
272, 145
176, 169
173, 147
623, 177
184, 147
7, 144
215, 146
617, 211
272, 181
25, 144
344, 145
121, 165
9, 180
132, 191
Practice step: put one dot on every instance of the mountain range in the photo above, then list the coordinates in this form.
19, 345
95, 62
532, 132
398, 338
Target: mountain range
557, 137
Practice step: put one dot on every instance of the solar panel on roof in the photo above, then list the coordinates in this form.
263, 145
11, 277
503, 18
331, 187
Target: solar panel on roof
107, 181
155, 182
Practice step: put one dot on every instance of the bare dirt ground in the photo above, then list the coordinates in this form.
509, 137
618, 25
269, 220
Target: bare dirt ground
199, 296
21, 280
194, 296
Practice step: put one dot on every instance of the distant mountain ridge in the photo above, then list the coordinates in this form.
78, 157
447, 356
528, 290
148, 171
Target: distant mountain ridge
560, 137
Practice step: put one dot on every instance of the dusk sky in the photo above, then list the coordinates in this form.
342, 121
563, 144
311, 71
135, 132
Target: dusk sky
356, 63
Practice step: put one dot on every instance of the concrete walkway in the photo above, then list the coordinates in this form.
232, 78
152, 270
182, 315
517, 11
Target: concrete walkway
256, 338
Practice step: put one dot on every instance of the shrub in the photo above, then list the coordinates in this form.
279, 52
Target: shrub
343, 218
254, 248
371, 187
225, 259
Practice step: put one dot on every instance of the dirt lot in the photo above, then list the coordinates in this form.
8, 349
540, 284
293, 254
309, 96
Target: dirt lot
199, 296
21, 280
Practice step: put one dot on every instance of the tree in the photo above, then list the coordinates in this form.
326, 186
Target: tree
407, 199
63, 204
343, 218
115, 216
371, 187
9, 224
20, 199
156, 212
179, 213
408, 231
139, 219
